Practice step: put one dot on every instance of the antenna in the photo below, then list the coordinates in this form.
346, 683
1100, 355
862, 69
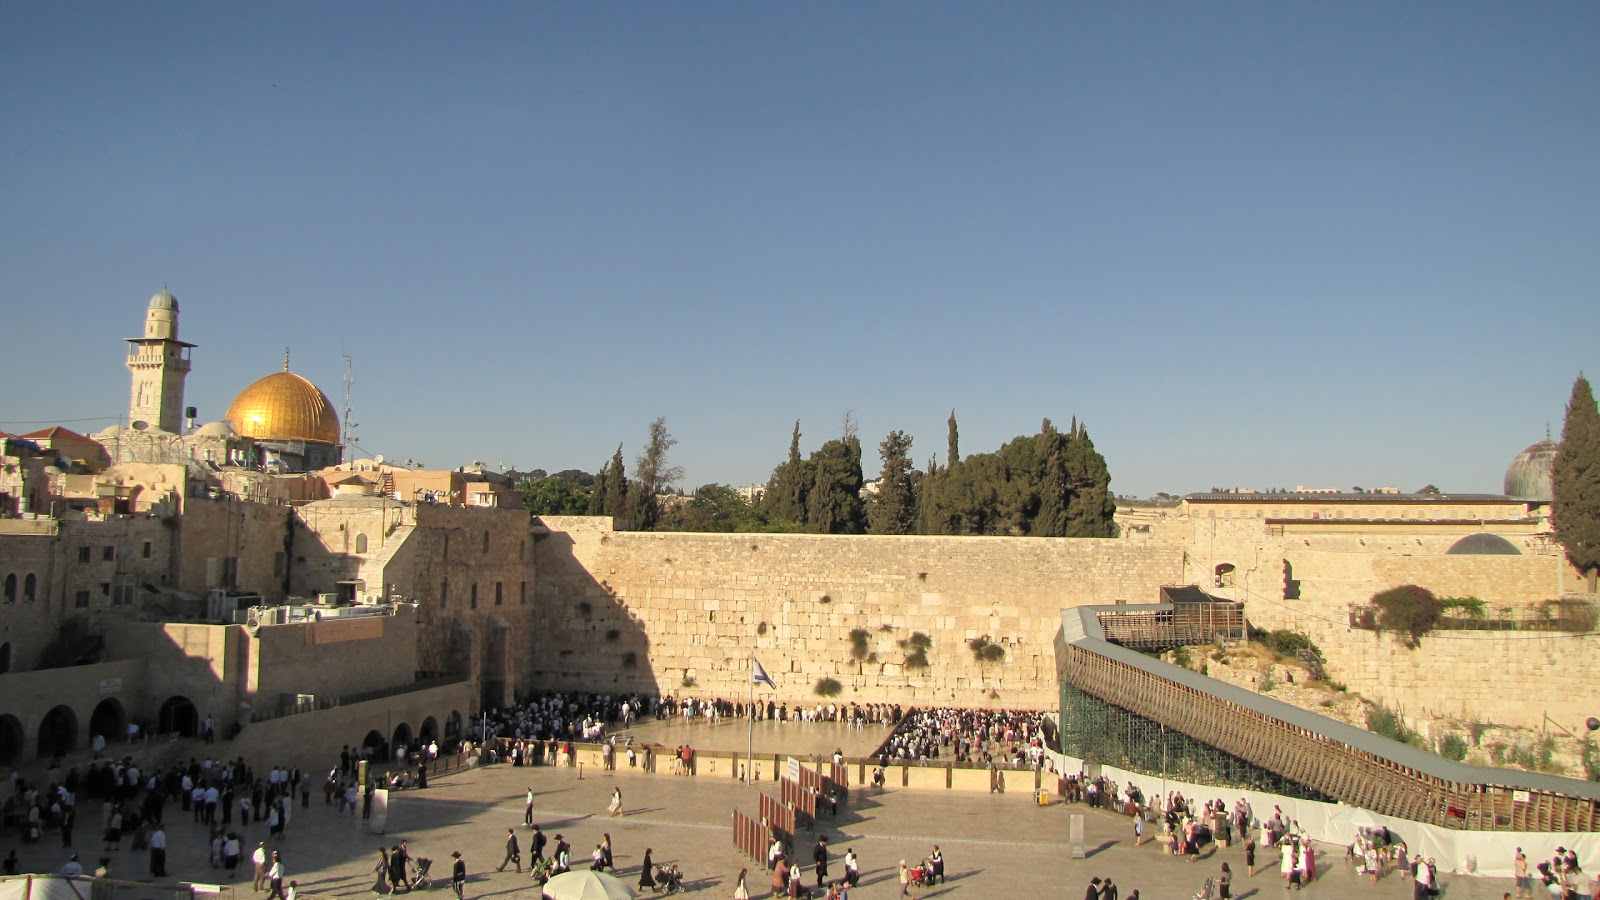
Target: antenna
349, 436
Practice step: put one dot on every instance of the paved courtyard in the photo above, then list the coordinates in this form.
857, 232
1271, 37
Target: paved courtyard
994, 846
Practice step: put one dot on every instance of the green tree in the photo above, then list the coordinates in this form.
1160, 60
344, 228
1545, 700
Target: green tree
554, 496
611, 492
714, 507
894, 508
834, 504
1575, 481
785, 498
1092, 511
654, 476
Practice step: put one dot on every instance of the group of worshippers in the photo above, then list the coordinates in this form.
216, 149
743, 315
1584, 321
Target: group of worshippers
980, 736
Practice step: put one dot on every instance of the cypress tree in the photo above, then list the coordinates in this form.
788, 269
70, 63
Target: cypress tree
1091, 511
834, 505
952, 453
894, 509
1575, 480
785, 498
614, 492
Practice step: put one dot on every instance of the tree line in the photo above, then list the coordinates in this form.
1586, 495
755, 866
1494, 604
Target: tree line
1050, 484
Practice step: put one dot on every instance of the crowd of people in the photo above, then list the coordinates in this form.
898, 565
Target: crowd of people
1014, 738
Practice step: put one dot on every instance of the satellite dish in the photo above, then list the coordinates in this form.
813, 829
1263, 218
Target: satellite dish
139, 425
1593, 723
378, 459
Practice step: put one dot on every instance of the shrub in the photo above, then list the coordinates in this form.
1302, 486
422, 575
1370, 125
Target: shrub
1453, 746
1289, 643
985, 652
859, 650
1408, 609
1470, 607
630, 660
1382, 720
1591, 760
612, 634
916, 649
1180, 657
828, 687
688, 681
1266, 683
762, 628
1576, 616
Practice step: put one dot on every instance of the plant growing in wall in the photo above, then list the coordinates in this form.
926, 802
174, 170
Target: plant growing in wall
859, 644
986, 651
916, 649
1409, 610
828, 687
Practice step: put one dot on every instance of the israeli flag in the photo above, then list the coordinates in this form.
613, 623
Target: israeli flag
759, 675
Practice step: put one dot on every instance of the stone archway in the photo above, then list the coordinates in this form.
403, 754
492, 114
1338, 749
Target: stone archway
11, 740
402, 737
373, 747
5, 657
178, 716
109, 720
58, 732
452, 729
1223, 575
429, 730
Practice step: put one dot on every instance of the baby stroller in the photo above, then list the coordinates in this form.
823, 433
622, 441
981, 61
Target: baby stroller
668, 879
419, 872
921, 875
1205, 890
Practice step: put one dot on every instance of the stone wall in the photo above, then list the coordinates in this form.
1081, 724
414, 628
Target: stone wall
335, 657
694, 607
211, 531
28, 547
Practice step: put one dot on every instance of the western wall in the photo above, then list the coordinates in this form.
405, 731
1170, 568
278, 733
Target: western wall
692, 608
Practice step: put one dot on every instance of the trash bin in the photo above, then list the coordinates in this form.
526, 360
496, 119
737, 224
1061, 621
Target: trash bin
1044, 797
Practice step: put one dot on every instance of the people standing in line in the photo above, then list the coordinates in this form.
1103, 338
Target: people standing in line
458, 874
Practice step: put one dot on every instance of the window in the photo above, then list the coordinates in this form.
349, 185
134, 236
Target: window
522, 549
105, 588
361, 543
11, 588
30, 587
474, 596
81, 600
447, 546
444, 593
83, 554
499, 598
108, 553
147, 549
486, 542
522, 594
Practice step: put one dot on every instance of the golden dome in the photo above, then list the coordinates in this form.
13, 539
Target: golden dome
284, 407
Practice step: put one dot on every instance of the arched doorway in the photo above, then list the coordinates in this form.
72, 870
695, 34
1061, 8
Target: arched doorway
452, 729
5, 657
58, 733
492, 671
372, 746
10, 740
402, 737
1224, 575
178, 715
109, 720
429, 730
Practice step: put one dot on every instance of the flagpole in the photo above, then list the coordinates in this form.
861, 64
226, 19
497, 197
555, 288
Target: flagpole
750, 719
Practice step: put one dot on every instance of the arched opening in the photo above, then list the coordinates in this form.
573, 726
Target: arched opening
429, 730
58, 733
1224, 575
402, 737
361, 543
452, 729
10, 740
30, 587
1291, 585
178, 715
109, 720
492, 668
372, 746
11, 588
5, 657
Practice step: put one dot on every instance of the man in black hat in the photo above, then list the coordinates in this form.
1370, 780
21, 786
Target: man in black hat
458, 874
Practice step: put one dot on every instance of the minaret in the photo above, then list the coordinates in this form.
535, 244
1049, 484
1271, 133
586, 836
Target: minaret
159, 362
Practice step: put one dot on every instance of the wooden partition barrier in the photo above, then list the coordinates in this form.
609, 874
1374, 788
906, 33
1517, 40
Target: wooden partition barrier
749, 837
779, 817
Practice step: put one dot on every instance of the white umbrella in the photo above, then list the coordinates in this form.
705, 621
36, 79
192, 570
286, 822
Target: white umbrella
588, 884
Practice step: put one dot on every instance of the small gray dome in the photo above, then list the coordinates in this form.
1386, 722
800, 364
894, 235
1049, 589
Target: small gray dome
1483, 544
164, 300
223, 429
1528, 476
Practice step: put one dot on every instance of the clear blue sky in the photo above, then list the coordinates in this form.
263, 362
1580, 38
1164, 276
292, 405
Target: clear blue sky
1249, 244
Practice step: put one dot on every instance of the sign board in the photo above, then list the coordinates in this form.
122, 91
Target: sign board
1521, 797
794, 770
110, 685
1075, 836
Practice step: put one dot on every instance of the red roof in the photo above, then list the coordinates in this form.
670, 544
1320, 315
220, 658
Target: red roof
55, 433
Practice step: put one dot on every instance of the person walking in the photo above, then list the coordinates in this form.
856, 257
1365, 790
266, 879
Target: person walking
527, 809
1225, 883
819, 857
458, 874
740, 892
513, 852
158, 852
381, 887
275, 878
905, 880
647, 876
852, 867
259, 857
